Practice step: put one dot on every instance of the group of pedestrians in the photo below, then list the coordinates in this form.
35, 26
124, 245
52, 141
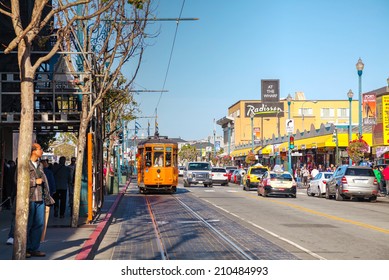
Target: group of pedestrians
50, 184
306, 172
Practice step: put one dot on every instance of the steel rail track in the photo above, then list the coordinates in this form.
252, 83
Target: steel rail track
217, 233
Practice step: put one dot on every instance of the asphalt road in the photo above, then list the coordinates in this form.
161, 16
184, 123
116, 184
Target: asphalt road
264, 228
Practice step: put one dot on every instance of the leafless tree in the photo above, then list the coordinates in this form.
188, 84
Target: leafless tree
113, 38
68, 14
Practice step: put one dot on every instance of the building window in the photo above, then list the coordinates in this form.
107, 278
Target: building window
327, 113
305, 111
343, 112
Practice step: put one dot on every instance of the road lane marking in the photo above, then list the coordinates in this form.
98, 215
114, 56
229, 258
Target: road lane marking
270, 232
328, 216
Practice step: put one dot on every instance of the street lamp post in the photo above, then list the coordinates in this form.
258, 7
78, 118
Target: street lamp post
214, 143
252, 131
302, 111
289, 99
360, 66
229, 137
350, 95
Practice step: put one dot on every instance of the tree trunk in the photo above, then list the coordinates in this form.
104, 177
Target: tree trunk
24, 151
79, 162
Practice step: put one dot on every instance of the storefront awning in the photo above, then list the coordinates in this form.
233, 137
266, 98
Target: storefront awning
322, 142
264, 150
240, 152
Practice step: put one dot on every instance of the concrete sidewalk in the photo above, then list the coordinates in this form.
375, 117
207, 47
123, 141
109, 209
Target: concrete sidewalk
63, 242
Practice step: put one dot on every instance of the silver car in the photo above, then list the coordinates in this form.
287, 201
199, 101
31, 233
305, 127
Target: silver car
197, 173
353, 182
317, 185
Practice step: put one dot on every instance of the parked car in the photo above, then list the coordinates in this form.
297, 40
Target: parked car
197, 173
230, 170
353, 181
219, 176
253, 175
237, 175
229, 174
181, 170
277, 183
317, 185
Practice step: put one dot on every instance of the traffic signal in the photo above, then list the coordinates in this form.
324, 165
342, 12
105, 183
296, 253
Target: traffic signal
120, 137
335, 136
291, 142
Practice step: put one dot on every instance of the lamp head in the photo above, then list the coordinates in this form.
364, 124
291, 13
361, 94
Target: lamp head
360, 65
350, 94
289, 98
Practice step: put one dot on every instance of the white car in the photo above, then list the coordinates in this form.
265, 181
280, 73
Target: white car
181, 171
317, 185
219, 176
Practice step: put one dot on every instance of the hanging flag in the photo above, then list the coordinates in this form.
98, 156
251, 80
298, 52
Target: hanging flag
137, 126
156, 127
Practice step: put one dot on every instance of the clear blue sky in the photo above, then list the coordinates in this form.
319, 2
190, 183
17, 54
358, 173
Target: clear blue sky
309, 45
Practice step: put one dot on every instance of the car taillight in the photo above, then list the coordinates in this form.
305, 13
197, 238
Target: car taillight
225, 175
324, 182
213, 174
248, 177
344, 180
375, 182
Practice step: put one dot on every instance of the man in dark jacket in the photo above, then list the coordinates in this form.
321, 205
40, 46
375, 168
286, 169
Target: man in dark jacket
39, 197
62, 181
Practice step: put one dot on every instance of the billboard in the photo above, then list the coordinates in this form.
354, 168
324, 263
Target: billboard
270, 90
369, 109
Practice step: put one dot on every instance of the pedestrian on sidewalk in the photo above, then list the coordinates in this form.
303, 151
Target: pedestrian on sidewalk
51, 181
72, 167
305, 173
385, 172
10, 239
62, 181
39, 198
378, 177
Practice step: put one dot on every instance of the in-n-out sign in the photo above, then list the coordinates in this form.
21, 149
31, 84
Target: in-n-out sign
289, 124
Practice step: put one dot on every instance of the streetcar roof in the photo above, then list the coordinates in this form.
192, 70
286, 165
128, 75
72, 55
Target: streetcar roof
157, 140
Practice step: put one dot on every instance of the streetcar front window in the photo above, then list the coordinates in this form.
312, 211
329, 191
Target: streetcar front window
148, 158
168, 159
158, 159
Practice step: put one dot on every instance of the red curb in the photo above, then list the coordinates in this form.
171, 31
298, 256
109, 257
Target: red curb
90, 246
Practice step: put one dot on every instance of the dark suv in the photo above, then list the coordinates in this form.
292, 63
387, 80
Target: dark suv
352, 181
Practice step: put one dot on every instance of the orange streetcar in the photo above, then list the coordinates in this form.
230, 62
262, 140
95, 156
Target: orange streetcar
157, 164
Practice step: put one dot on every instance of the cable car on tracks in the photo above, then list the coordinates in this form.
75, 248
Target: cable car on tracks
157, 164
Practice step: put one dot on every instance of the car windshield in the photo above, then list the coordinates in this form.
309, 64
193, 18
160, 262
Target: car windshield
360, 172
281, 176
258, 171
199, 166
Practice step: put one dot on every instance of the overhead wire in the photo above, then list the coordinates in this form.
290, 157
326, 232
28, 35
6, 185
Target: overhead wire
169, 62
